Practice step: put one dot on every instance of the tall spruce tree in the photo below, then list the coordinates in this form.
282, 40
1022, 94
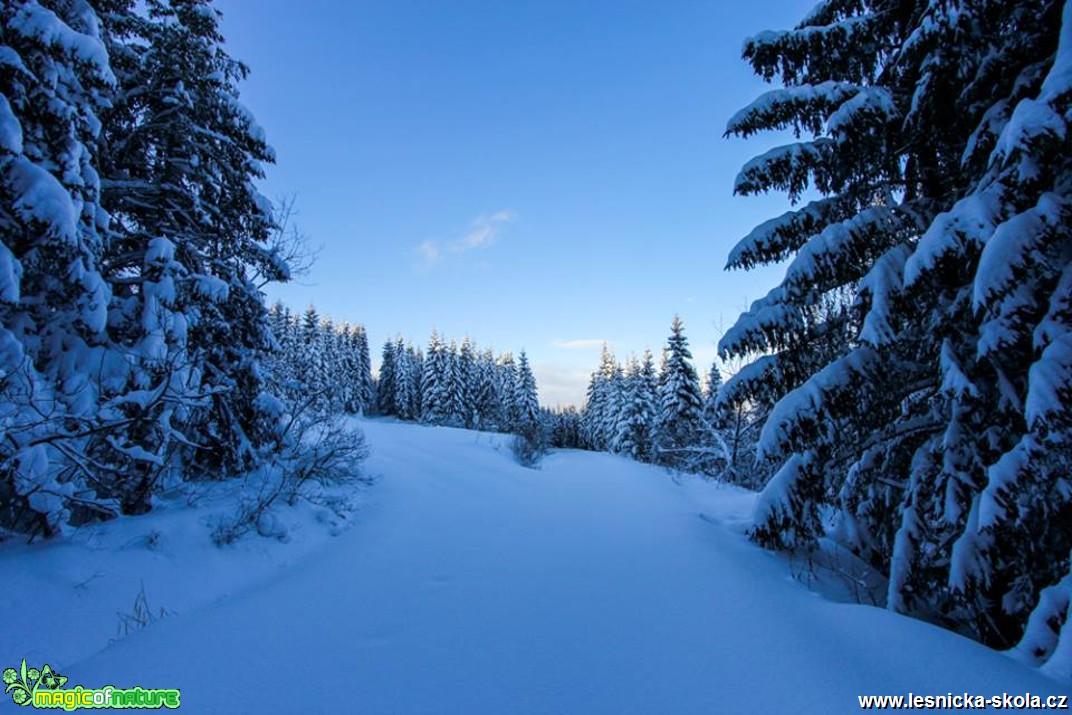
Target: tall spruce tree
179, 157
601, 405
713, 413
54, 359
349, 371
506, 387
526, 401
283, 366
386, 385
454, 385
486, 400
409, 383
366, 388
637, 421
331, 387
313, 359
680, 400
435, 383
917, 349
468, 384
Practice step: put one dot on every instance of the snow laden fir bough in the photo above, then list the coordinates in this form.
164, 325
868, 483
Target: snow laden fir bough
916, 359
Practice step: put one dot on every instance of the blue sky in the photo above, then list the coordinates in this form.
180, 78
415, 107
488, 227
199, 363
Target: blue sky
538, 175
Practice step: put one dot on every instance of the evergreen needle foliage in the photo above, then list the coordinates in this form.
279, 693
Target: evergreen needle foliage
917, 356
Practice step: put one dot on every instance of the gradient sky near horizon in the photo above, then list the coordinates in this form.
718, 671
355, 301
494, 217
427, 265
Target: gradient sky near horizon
543, 176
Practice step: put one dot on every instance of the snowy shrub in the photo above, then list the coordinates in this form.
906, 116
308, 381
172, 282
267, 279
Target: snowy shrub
529, 447
319, 452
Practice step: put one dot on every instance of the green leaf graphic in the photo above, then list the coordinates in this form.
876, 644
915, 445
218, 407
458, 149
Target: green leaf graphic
24, 683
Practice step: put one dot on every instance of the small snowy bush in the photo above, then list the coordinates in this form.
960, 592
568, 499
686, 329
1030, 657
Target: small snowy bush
529, 447
318, 453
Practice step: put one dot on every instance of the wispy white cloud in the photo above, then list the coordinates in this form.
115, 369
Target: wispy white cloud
429, 253
484, 231
578, 344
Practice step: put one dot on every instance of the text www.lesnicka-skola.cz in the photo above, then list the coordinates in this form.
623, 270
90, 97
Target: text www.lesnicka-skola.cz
964, 701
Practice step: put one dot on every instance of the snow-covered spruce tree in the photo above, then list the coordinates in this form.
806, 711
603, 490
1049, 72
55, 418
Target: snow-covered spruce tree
455, 385
140, 317
179, 155
331, 385
468, 384
637, 419
530, 441
680, 402
386, 388
617, 432
506, 386
348, 371
409, 369
601, 407
712, 412
283, 367
54, 81
918, 351
592, 413
313, 359
435, 383
486, 393
526, 401
365, 388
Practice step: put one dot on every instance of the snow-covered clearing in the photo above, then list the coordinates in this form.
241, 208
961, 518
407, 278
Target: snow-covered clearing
468, 584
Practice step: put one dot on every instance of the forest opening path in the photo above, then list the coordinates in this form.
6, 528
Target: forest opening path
590, 585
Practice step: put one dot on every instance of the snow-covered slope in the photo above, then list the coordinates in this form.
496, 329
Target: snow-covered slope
471, 585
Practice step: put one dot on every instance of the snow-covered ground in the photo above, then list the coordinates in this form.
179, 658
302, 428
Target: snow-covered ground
468, 584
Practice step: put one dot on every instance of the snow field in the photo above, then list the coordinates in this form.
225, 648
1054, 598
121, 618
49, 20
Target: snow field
468, 584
